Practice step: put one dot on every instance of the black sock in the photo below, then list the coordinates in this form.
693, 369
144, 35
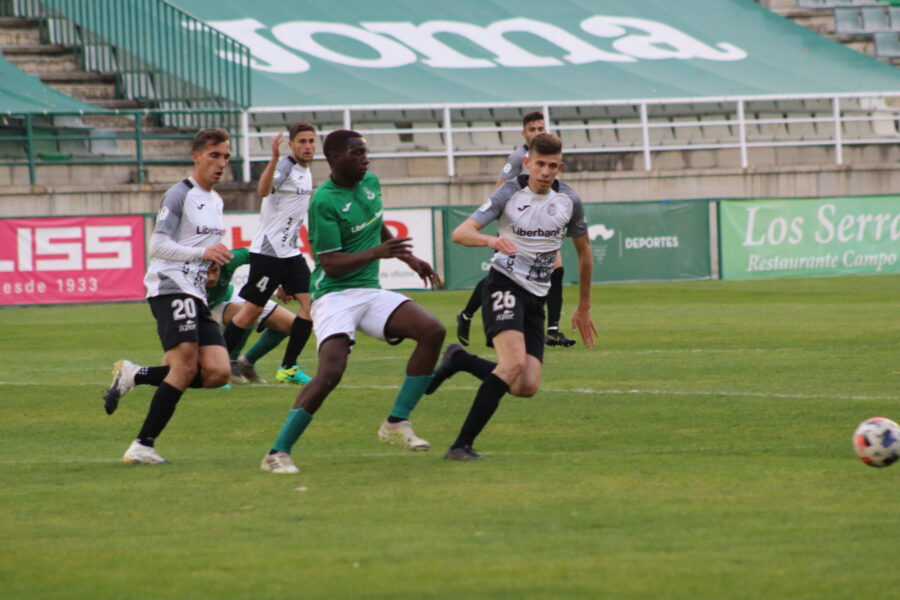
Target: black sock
474, 302
486, 401
197, 382
234, 335
300, 332
555, 298
470, 363
151, 375
162, 407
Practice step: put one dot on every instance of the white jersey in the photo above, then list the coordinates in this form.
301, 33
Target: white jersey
537, 224
283, 210
190, 216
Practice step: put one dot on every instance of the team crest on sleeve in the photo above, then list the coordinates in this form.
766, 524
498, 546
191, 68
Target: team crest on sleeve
163, 213
485, 207
507, 167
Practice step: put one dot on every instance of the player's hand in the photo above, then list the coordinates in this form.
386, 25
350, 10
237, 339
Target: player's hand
219, 254
283, 296
275, 142
425, 271
584, 325
502, 245
394, 248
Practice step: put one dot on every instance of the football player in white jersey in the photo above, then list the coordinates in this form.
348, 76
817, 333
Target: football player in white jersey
535, 213
185, 242
532, 125
285, 187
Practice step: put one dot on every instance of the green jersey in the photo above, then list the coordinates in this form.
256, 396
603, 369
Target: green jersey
223, 290
345, 220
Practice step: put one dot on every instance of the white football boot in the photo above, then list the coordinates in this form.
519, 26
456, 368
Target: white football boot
138, 453
402, 434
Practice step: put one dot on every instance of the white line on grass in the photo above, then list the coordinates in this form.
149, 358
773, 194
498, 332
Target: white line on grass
551, 390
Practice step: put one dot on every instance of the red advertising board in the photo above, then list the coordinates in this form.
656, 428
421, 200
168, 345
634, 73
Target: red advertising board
71, 259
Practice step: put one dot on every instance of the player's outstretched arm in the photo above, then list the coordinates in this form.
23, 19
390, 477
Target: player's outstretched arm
340, 263
264, 186
581, 318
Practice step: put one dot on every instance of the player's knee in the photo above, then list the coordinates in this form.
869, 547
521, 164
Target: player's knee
216, 376
524, 390
434, 334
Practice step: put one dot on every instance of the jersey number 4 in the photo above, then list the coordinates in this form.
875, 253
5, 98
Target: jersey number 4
262, 284
184, 309
503, 300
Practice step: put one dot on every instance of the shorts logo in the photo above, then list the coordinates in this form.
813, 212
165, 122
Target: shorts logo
187, 326
506, 315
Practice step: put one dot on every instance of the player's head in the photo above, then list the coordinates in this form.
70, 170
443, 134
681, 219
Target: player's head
544, 162
345, 151
302, 142
532, 125
210, 151
212, 275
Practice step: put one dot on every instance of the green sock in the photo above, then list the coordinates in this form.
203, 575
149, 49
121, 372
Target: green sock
236, 351
264, 344
292, 429
410, 392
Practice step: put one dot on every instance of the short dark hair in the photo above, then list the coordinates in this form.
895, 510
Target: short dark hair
531, 117
206, 137
338, 140
546, 144
299, 126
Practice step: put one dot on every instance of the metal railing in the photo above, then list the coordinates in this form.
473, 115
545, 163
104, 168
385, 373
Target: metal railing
639, 127
163, 56
68, 139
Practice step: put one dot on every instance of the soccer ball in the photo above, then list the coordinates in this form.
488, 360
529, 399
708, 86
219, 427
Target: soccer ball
877, 442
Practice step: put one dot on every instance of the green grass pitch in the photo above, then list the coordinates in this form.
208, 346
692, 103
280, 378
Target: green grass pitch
702, 450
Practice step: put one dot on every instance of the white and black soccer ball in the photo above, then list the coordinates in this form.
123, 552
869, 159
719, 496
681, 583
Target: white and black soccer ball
877, 442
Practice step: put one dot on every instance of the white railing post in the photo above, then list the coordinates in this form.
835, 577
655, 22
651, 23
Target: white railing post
448, 140
838, 136
742, 134
245, 146
645, 135
348, 124
546, 111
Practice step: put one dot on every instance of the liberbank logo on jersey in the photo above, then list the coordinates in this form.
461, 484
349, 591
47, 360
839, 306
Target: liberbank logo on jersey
386, 45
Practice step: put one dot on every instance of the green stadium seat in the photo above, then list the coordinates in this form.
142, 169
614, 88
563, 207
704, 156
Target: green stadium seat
847, 21
484, 140
431, 141
573, 133
887, 44
875, 19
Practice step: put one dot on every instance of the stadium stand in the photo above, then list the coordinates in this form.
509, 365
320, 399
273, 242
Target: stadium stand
714, 130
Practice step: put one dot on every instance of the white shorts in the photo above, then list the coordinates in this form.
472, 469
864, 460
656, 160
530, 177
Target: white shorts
346, 311
218, 311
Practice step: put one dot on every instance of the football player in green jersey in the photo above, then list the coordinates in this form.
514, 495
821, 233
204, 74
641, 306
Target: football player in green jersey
348, 239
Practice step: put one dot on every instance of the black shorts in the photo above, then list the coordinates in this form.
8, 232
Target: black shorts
184, 318
268, 272
506, 305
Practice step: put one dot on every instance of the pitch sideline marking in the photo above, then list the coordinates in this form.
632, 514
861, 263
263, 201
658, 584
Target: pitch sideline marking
552, 390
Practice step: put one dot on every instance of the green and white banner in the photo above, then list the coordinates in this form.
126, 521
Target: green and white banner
630, 241
809, 238
528, 52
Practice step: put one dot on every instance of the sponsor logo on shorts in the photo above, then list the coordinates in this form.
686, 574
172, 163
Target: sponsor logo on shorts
506, 315
187, 326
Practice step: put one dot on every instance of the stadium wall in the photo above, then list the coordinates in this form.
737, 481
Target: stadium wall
406, 191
